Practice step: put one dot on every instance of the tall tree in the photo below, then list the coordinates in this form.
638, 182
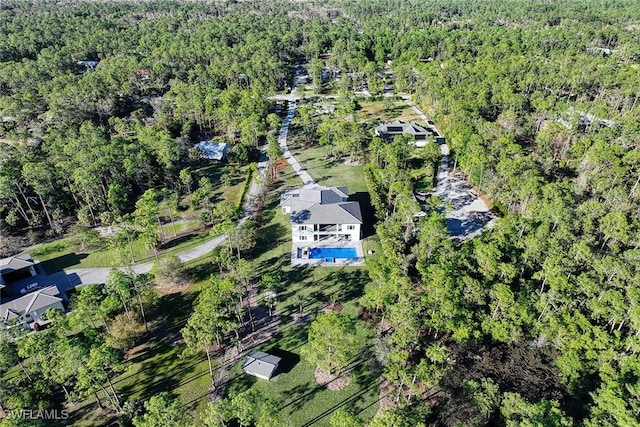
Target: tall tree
332, 342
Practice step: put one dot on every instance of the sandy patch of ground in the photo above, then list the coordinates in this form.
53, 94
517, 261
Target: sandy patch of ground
167, 288
352, 162
333, 382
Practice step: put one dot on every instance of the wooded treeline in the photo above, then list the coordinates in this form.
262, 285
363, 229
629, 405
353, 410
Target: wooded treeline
104, 98
536, 322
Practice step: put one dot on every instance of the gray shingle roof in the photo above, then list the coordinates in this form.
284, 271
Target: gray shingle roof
18, 262
322, 205
31, 302
336, 213
261, 364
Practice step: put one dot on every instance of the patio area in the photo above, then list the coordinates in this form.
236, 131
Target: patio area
301, 253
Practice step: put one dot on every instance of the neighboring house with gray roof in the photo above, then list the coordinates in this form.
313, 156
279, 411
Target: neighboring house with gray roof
390, 130
321, 212
261, 365
213, 150
30, 308
16, 267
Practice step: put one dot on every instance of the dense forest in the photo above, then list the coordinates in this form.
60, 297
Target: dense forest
536, 322
101, 101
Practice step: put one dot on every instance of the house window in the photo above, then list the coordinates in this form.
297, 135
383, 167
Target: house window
351, 227
302, 227
303, 237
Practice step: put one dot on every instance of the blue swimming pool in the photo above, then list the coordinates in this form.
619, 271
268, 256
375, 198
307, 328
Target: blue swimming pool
317, 253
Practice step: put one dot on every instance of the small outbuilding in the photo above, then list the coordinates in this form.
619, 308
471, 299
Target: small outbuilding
213, 150
261, 365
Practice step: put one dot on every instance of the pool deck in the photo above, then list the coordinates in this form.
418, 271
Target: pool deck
300, 248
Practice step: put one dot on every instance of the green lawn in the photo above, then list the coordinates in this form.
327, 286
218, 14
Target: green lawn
300, 399
328, 171
55, 256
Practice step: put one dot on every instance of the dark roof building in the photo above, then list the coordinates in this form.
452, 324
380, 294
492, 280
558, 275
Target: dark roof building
397, 127
18, 265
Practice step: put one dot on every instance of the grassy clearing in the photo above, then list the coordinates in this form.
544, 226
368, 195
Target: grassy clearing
55, 256
375, 111
299, 399
328, 171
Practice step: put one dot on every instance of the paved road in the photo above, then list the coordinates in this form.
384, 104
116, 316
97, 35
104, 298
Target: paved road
78, 276
307, 181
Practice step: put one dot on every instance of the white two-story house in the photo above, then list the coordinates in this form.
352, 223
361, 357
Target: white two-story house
320, 213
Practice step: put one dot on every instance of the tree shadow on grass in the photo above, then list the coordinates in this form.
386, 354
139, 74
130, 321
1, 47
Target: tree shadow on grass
291, 337
270, 237
366, 376
56, 264
239, 383
202, 271
351, 403
78, 415
173, 242
175, 307
368, 213
349, 284
300, 394
161, 373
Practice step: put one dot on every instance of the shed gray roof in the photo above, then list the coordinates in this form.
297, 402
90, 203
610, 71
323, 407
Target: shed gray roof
31, 302
261, 364
18, 262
